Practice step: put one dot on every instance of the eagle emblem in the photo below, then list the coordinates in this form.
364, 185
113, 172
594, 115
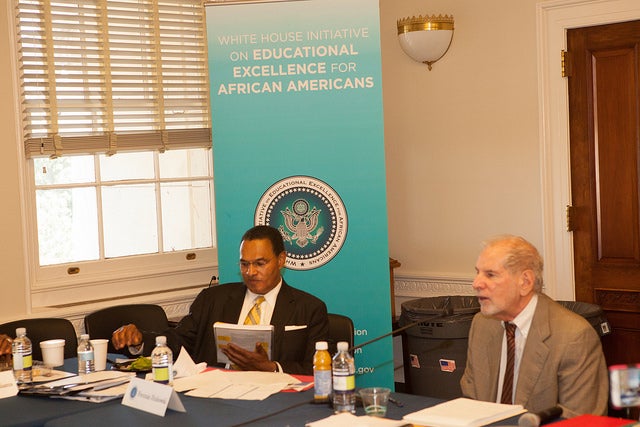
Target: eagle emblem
300, 221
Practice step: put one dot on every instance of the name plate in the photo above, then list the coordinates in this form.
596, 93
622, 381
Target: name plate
8, 386
152, 397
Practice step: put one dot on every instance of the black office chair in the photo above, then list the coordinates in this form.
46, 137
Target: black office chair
147, 317
340, 329
42, 329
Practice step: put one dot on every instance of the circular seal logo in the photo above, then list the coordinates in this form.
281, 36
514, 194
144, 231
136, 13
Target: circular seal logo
310, 216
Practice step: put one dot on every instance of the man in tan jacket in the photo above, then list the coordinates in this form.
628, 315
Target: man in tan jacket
558, 354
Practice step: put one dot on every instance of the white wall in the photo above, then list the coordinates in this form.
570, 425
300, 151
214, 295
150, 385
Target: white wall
13, 282
462, 140
462, 145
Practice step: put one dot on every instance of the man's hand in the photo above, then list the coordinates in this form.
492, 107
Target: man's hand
5, 344
246, 360
127, 335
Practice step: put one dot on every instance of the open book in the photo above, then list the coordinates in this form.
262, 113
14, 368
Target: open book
463, 412
245, 336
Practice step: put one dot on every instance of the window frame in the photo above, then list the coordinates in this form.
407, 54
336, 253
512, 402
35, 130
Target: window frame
130, 276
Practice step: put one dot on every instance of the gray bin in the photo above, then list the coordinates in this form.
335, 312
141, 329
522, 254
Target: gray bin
436, 348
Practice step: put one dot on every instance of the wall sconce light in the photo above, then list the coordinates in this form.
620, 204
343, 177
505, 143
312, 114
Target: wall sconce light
426, 38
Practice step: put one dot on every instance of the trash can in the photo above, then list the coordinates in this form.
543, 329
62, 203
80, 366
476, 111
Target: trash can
436, 348
592, 312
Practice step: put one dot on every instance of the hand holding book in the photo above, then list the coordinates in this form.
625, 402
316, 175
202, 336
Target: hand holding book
248, 346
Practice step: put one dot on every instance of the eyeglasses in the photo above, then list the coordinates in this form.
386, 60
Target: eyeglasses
259, 264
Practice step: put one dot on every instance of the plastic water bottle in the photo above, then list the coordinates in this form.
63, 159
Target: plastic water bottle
86, 363
22, 357
321, 373
162, 362
344, 380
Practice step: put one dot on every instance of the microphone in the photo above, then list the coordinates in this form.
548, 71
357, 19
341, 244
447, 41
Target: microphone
536, 419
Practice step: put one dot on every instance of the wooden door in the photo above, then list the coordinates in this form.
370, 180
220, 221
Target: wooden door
604, 95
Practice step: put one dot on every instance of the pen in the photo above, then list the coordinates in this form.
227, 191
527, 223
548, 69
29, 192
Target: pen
111, 384
396, 402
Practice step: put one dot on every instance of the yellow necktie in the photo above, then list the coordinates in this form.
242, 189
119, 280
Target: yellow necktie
253, 318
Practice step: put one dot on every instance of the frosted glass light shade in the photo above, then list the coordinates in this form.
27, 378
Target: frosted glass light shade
426, 38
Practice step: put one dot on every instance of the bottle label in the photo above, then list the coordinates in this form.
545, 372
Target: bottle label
22, 361
85, 356
344, 383
27, 362
17, 361
161, 374
322, 384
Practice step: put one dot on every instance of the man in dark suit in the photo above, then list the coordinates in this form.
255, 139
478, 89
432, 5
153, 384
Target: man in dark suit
558, 358
299, 318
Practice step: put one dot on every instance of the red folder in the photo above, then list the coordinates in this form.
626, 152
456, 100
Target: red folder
595, 421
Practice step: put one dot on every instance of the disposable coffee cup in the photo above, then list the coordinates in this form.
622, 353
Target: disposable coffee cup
100, 353
53, 352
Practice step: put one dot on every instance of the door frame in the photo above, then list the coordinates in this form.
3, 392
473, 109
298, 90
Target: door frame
554, 18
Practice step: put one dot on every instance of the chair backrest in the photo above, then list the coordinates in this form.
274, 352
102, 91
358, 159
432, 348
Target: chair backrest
42, 329
340, 329
146, 317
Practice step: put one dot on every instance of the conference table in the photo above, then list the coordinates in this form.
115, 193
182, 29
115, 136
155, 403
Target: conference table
281, 409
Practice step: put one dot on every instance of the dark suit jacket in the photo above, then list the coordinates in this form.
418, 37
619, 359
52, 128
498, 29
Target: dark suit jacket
293, 349
562, 362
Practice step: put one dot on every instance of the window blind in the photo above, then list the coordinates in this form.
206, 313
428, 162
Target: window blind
98, 76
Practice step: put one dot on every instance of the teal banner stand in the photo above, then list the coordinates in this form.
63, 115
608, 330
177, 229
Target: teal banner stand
296, 104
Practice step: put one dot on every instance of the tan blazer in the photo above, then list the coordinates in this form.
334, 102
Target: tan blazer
562, 363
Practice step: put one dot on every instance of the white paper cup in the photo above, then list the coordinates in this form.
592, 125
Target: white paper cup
100, 353
52, 352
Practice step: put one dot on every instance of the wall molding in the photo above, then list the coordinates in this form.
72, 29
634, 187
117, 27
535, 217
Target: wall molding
426, 286
412, 286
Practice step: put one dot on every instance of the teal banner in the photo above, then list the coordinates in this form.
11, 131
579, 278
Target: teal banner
296, 104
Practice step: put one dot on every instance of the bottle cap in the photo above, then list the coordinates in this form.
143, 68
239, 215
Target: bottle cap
84, 336
161, 340
21, 331
343, 346
322, 345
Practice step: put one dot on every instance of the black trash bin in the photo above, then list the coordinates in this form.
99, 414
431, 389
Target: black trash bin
436, 348
592, 312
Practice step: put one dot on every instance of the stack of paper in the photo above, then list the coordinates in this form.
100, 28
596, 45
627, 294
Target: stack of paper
244, 385
463, 412
348, 419
94, 387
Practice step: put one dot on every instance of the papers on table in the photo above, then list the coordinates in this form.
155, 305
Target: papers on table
52, 375
8, 386
184, 366
95, 387
244, 385
98, 395
92, 378
348, 419
463, 412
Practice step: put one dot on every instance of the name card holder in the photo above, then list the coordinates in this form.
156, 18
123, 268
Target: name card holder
152, 397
